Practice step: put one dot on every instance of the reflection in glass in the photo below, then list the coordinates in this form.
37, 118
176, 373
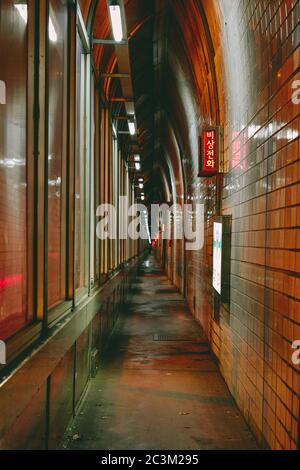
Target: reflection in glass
13, 178
57, 150
81, 243
23, 11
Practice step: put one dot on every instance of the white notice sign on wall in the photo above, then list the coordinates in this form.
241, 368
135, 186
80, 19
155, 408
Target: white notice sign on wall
217, 257
2, 92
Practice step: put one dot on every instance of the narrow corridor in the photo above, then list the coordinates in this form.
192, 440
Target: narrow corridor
135, 125
159, 387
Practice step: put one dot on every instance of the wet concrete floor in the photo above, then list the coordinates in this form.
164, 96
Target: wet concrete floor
159, 387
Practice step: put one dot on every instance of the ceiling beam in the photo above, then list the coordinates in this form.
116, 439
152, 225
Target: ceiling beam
115, 75
120, 118
108, 42
121, 100
124, 67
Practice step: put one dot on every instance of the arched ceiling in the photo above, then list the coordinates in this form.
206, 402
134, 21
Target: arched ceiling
172, 55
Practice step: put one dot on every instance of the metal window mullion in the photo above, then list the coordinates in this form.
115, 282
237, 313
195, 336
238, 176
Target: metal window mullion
98, 130
45, 172
75, 152
32, 153
68, 157
82, 30
65, 161
90, 166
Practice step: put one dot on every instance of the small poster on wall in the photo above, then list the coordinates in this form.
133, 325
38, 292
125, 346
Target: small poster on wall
2, 92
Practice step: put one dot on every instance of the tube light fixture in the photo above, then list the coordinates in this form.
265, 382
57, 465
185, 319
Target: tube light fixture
116, 22
141, 186
137, 158
141, 180
114, 130
143, 198
131, 126
138, 166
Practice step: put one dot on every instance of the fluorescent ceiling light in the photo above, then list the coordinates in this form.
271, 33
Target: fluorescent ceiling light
137, 158
138, 166
143, 198
141, 180
22, 9
114, 130
116, 22
131, 126
141, 186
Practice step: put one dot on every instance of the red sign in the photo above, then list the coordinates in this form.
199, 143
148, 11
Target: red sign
208, 153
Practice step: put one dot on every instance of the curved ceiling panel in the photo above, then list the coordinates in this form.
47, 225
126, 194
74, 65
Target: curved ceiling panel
85, 6
172, 54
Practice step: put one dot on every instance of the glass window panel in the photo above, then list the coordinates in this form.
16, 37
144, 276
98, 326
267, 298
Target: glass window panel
13, 167
96, 180
81, 242
58, 57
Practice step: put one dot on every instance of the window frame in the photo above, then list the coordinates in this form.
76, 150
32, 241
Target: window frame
64, 305
18, 340
96, 143
37, 160
81, 293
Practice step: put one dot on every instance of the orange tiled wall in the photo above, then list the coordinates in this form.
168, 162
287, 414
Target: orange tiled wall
261, 192
257, 59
